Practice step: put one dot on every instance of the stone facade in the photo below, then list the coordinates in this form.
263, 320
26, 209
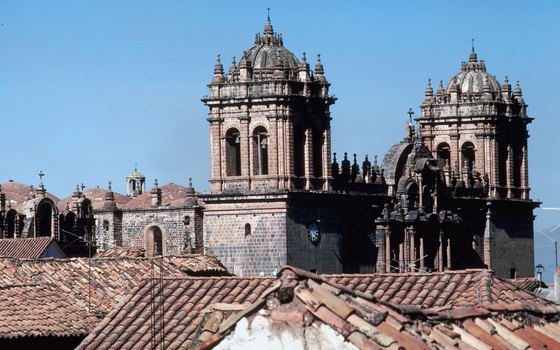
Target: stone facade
453, 194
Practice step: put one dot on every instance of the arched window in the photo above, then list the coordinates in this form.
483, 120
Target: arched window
233, 153
154, 241
443, 156
299, 151
260, 151
11, 224
467, 155
247, 229
318, 153
44, 218
517, 161
67, 223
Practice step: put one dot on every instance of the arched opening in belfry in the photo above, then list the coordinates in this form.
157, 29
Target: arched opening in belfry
502, 165
299, 151
44, 217
318, 141
154, 241
468, 155
443, 155
11, 224
233, 152
260, 151
67, 224
517, 160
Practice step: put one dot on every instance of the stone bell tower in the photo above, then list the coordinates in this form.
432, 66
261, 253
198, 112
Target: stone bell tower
476, 124
476, 128
269, 121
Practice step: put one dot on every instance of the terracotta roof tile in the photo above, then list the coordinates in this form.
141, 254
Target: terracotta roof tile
59, 290
26, 248
197, 314
121, 252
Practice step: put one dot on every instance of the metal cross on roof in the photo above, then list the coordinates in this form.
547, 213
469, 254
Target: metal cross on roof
410, 114
41, 174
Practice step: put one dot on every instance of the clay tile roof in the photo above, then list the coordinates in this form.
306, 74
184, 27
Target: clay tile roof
26, 248
199, 313
51, 313
97, 198
121, 252
186, 303
437, 289
81, 287
172, 195
16, 194
530, 284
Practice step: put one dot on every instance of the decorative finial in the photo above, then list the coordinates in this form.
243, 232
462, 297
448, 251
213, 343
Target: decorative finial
218, 58
472, 41
268, 14
410, 114
82, 186
304, 58
318, 57
110, 189
77, 188
155, 183
41, 174
135, 166
190, 182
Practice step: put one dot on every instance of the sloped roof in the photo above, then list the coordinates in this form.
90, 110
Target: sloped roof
16, 194
183, 304
172, 195
203, 311
121, 252
95, 286
31, 311
97, 198
25, 248
436, 289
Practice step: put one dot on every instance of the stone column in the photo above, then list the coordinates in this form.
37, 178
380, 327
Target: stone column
509, 172
449, 261
440, 251
412, 262
308, 158
525, 173
381, 252
487, 240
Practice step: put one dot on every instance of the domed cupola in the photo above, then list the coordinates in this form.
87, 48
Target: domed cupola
269, 53
474, 82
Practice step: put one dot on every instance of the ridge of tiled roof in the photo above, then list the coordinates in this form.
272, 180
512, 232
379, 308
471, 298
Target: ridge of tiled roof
24, 248
453, 288
530, 284
121, 252
99, 284
202, 312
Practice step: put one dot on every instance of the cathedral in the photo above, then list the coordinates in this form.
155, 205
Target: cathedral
453, 194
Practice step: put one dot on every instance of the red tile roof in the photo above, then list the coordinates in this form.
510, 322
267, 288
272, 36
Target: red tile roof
121, 252
436, 289
171, 195
182, 313
25, 248
93, 286
97, 198
16, 194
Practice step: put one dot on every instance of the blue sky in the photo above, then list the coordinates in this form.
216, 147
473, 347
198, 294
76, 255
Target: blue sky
89, 88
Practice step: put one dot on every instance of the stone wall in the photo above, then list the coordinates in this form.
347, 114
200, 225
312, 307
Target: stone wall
129, 228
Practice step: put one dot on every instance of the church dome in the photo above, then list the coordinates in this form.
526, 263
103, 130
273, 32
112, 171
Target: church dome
472, 78
269, 50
